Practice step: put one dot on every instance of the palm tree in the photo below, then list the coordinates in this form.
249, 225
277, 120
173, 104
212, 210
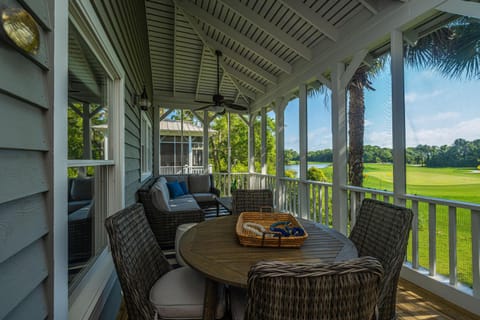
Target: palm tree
453, 49
361, 80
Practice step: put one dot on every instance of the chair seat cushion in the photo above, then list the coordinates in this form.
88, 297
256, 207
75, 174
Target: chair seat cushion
183, 203
179, 294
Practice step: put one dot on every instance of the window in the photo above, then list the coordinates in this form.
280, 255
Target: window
95, 167
146, 146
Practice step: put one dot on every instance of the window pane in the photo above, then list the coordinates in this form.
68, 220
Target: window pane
88, 104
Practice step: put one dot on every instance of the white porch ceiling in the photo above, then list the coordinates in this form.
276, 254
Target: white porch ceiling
267, 45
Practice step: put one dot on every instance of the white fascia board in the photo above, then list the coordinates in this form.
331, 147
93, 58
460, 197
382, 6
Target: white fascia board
460, 7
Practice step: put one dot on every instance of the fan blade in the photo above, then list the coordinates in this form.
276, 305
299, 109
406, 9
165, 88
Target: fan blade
205, 107
199, 101
236, 107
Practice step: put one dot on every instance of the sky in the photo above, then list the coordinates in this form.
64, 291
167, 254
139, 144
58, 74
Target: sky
438, 111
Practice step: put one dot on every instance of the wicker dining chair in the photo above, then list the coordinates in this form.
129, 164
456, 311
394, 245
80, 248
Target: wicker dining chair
343, 290
382, 231
252, 200
148, 282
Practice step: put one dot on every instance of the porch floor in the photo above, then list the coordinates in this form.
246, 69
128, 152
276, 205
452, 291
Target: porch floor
413, 303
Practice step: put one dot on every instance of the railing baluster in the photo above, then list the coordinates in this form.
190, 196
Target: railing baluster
314, 204
475, 221
327, 209
353, 208
452, 244
320, 203
432, 242
415, 263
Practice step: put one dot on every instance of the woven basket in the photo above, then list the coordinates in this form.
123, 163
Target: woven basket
250, 239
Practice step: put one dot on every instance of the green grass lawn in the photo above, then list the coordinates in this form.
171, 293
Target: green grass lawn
461, 184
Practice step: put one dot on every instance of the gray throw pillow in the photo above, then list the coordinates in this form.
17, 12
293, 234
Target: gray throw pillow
159, 199
199, 184
161, 185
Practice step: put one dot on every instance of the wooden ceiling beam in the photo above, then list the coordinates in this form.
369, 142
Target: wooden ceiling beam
370, 7
244, 91
214, 45
242, 77
322, 24
233, 34
269, 28
199, 77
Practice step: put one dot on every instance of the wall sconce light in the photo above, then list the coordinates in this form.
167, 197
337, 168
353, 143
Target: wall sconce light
142, 100
20, 28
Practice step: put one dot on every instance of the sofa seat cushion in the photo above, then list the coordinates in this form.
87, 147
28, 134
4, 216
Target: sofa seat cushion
80, 214
183, 203
179, 294
199, 184
204, 197
75, 205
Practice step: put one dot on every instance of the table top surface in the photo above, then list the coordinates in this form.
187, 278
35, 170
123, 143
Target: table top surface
212, 248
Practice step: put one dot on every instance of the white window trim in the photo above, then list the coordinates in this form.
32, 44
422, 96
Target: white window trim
146, 159
91, 293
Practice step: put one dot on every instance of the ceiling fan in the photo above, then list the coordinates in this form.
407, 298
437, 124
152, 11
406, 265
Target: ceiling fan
219, 104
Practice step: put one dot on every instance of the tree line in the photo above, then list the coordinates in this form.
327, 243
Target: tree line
461, 153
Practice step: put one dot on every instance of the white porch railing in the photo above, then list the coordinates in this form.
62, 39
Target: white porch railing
444, 246
171, 170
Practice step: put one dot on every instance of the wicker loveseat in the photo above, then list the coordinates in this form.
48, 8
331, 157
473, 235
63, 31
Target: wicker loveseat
165, 213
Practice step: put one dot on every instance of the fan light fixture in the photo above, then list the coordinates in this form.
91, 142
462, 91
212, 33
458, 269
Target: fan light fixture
20, 27
142, 100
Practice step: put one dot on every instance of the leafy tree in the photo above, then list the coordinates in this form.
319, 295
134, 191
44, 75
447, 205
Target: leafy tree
316, 174
290, 174
290, 155
239, 144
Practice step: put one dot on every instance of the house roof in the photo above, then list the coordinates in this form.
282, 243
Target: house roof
174, 128
268, 47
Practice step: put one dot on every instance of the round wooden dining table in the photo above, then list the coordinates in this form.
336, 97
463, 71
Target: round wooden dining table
212, 248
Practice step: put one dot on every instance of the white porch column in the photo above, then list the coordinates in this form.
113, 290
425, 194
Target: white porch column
264, 141
156, 141
398, 117
303, 194
229, 152
206, 125
339, 143
281, 104
251, 147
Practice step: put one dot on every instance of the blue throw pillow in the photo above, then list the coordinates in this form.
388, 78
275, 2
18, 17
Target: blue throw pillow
183, 185
174, 189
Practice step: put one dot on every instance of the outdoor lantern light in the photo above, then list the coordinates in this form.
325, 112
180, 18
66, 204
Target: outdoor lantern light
142, 100
20, 27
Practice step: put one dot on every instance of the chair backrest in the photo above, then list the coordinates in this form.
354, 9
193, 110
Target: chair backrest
345, 290
252, 200
138, 259
382, 231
